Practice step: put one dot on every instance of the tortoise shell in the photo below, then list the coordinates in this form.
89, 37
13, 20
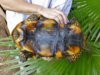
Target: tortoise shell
38, 36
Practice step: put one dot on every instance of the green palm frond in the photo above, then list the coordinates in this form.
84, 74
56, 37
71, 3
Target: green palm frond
7, 42
88, 13
88, 63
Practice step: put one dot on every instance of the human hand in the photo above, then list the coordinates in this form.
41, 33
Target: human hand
55, 14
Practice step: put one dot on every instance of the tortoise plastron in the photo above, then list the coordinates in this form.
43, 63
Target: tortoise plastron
43, 37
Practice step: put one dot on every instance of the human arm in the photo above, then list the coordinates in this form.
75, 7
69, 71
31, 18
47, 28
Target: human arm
22, 6
2, 12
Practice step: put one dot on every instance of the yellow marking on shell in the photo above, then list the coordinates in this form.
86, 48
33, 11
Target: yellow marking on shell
58, 54
17, 29
73, 50
48, 29
48, 23
45, 52
17, 43
28, 22
73, 53
30, 25
61, 25
27, 49
20, 38
76, 29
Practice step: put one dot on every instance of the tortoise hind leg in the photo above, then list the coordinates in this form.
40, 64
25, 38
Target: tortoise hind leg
24, 55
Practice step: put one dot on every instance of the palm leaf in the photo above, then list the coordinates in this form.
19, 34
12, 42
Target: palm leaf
88, 63
88, 13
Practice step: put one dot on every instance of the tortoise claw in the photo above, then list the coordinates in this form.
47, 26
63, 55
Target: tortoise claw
24, 55
72, 58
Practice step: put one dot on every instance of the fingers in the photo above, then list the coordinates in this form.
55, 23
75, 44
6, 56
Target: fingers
55, 14
62, 17
59, 19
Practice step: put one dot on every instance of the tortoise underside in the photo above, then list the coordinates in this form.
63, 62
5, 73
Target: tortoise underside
43, 37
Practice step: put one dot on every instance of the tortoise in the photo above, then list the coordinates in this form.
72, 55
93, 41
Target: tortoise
38, 36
